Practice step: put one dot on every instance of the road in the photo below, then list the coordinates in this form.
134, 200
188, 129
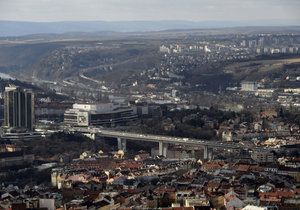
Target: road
157, 138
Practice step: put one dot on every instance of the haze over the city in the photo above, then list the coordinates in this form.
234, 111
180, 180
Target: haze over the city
133, 10
18, 18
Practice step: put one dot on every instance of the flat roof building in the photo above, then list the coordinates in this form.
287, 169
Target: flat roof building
249, 86
99, 114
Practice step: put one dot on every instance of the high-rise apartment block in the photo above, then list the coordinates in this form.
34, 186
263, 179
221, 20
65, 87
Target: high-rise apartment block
18, 108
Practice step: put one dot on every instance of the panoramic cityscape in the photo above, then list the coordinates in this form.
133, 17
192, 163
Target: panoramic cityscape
134, 104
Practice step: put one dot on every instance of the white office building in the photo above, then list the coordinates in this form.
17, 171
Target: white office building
248, 86
99, 114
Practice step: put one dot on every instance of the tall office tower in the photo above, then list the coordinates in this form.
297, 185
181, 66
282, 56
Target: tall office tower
18, 108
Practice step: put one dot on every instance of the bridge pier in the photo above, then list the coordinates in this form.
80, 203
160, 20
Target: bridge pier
193, 153
121, 144
162, 149
208, 153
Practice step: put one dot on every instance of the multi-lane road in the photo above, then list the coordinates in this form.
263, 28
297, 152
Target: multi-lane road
158, 138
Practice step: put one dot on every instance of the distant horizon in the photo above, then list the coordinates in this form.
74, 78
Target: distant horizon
21, 28
19, 17
285, 21
154, 10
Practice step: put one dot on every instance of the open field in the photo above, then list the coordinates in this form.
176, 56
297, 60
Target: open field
257, 69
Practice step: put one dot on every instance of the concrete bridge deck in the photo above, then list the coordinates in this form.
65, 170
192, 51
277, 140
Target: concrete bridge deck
163, 141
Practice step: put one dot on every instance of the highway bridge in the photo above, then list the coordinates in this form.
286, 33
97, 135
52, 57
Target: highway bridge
163, 141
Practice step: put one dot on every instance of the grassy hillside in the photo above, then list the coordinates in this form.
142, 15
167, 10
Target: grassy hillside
265, 70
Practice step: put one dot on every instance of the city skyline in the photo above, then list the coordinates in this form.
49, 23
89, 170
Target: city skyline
158, 104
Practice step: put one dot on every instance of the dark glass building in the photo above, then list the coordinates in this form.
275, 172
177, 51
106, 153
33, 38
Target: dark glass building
18, 108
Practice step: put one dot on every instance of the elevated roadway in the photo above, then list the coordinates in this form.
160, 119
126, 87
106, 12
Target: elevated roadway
163, 141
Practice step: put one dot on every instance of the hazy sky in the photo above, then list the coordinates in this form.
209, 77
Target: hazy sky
114, 10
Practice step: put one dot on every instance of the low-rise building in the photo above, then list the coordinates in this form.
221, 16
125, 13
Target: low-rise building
10, 156
248, 86
99, 114
262, 156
